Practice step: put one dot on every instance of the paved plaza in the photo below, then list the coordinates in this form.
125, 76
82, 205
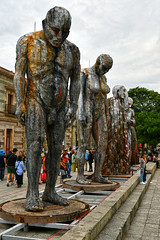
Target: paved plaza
145, 225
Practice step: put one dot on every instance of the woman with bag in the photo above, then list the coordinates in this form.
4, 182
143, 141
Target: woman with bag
43, 174
19, 169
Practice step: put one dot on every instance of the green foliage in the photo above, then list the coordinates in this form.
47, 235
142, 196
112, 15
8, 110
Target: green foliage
144, 99
146, 104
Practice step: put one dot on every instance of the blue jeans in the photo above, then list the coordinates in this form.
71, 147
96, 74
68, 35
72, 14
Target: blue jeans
144, 176
68, 169
141, 175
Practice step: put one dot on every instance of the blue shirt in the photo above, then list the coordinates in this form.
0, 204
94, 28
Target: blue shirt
87, 156
20, 167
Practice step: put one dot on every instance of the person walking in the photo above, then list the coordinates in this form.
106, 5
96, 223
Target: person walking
142, 168
87, 154
2, 164
145, 170
90, 160
11, 159
19, 169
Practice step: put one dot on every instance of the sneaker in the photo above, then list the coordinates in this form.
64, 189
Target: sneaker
142, 183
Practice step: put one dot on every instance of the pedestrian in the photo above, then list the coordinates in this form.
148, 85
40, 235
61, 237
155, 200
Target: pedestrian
142, 168
70, 160
145, 170
11, 159
2, 164
19, 169
87, 154
65, 159
43, 174
90, 160
155, 160
63, 169
73, 161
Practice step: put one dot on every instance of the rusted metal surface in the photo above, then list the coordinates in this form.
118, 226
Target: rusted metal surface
121, 134
15, 211
132, 132
49, 62
91, 117
93, 186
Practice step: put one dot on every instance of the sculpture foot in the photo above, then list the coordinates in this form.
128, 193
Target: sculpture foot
101, 179
55, 199
33, 205
82, 180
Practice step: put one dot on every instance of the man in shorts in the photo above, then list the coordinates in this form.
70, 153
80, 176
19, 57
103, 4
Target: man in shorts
11, 159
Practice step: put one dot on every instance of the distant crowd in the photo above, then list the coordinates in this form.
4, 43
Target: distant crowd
15, 167
151, 156
68, 163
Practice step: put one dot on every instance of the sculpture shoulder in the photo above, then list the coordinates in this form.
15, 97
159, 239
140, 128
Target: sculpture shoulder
72, 46
31, 37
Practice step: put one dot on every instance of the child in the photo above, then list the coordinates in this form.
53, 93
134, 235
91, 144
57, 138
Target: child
19, 169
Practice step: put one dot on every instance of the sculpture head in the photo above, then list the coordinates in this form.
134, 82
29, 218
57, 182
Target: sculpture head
56, 25
103, 63
120, 92
130, 102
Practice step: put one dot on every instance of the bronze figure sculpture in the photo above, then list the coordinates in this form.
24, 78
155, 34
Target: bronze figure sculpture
45, 62
91, 118
118, 152
132, 139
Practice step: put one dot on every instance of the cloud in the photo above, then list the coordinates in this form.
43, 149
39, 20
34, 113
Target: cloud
127, 30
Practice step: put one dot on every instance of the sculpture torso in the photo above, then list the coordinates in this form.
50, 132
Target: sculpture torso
48, 71
96, 91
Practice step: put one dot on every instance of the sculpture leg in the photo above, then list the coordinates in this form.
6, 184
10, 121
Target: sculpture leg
100, 136
55, 135
35, 138
84, 133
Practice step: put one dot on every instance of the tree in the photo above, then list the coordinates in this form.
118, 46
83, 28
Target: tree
146, 104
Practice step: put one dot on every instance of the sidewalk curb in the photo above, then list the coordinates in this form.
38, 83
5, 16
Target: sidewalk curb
89, 227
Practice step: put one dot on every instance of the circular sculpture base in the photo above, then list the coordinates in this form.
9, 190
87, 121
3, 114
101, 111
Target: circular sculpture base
93, 186
15, 211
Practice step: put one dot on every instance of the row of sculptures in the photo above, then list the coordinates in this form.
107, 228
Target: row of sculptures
47, 65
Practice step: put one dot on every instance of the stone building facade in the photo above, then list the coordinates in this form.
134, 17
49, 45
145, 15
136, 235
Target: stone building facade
11, 131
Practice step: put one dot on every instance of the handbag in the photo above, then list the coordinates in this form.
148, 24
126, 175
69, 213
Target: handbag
17, 167
43, 177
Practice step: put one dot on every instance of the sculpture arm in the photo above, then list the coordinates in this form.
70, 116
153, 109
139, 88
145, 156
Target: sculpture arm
130, 118
19, 79
74, 88
82, 97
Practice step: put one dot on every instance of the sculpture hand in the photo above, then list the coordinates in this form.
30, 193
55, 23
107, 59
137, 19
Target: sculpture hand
20, 114
70, 116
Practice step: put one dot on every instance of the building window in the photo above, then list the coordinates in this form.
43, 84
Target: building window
10, 108
8, 140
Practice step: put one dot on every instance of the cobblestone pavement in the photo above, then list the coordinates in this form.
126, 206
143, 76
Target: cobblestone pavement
146, 223
11, 193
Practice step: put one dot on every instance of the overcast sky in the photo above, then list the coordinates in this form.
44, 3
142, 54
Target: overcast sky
127, 30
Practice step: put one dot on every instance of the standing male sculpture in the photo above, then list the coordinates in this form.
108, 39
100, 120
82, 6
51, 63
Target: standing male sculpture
91, 116
49, 60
